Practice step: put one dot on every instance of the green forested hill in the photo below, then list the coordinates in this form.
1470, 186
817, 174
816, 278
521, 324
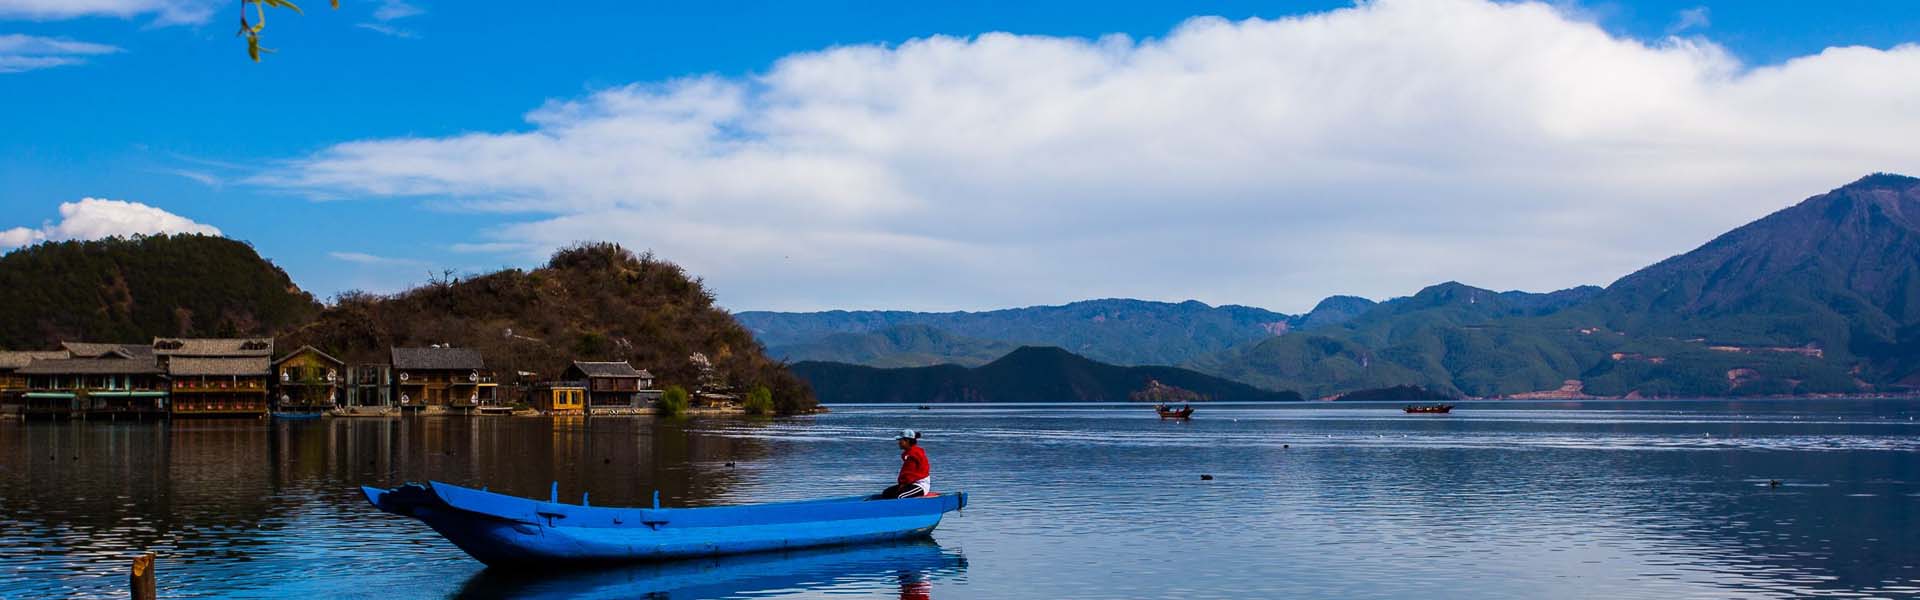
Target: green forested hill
1028, 374
590, 302
134, 289
1128, 332
896, 346
1449, 337
1822, 297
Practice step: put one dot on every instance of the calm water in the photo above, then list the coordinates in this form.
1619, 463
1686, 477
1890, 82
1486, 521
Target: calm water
1601, 500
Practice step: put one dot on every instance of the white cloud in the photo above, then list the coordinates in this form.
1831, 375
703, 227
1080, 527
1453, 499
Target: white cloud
164, 12
396, 9
371, 259
95, 218
384, 29
19, 52
1368, 150
390, 10
1692, 18
203, 177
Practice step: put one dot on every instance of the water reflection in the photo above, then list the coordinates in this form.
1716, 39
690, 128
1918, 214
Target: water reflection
1646, 500
908, 568
217, 498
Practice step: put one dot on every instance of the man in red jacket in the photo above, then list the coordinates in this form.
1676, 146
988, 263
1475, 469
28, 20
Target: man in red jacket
916, 475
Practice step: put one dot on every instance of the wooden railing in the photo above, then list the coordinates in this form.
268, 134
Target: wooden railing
250, 385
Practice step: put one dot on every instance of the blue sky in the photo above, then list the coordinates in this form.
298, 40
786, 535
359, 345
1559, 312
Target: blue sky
473, 127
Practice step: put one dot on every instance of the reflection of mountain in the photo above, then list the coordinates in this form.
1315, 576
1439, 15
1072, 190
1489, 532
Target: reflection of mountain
908, 569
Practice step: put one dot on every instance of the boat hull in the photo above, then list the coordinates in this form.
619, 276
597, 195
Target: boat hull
511, 532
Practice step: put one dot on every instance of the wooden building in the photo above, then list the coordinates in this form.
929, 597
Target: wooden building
611, 386
216, 376
441, 379
369, 386
12, 383
307, 381
111, 387
559, 397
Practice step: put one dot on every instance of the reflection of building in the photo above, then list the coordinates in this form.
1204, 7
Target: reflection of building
441, 379
611, 386
111, 386
216, 376
306, 381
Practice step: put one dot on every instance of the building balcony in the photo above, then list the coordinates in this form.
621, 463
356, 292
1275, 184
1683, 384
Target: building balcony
219, 386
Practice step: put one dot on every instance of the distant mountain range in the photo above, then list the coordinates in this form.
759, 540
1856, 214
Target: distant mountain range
1027, 374
1112, 330
1819, 298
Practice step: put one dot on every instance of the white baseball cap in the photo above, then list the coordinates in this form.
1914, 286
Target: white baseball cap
907, 434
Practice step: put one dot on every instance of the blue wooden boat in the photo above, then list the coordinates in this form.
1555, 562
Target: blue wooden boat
512, 532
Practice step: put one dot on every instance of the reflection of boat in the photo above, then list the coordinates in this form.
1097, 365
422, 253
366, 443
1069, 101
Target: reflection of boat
508, 531
1168, 412
1429, 409
908, 566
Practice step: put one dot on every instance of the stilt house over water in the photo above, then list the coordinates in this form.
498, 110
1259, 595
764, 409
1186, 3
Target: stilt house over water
216, 376
442, 379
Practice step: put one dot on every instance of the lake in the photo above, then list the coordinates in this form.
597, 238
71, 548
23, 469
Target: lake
1497, 500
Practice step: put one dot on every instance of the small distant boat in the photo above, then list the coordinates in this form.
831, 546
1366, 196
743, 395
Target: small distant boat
297, 416
1430, 409
1168, 412
512, 532
499, 411
925, 407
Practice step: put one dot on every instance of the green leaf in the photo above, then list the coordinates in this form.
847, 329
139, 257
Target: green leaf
282, 4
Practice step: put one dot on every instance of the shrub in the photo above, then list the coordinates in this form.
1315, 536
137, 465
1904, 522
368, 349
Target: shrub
760, 401
673, 403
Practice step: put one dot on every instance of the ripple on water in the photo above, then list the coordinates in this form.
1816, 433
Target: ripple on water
1642, 502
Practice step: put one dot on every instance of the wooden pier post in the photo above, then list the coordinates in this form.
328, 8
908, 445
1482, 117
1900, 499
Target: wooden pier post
142, 582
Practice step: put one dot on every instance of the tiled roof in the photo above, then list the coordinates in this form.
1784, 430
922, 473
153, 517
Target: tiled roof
607, 369
194, 365
437, 358
97, 350
316, 351
213, 346
90, 366
14, 359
